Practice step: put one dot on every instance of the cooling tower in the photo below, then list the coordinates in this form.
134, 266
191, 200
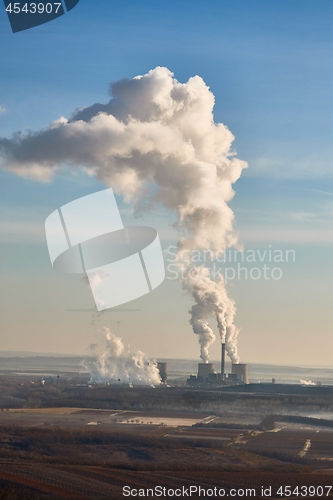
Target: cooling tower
241, 372
163, 369
204, 370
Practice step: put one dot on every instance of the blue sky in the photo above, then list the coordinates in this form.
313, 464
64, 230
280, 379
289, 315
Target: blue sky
269, 65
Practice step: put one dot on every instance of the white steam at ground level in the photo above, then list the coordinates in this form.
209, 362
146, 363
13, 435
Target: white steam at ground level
306, 382
120, 365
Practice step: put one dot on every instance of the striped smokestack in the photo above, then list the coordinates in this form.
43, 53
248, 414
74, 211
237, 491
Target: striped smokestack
222, 361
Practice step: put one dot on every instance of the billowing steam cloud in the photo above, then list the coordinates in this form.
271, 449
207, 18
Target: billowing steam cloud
154, 142
306, 382
211, 300
118, 365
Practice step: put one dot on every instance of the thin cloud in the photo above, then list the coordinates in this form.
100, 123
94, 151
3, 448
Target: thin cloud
326, 193
290, 235
276, 167
303, 216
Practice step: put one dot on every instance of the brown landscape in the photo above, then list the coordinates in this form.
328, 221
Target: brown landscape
66, 440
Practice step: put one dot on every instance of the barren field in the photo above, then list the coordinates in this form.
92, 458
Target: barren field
104, 419
143, 437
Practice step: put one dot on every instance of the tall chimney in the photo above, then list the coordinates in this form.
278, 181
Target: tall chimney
222, 361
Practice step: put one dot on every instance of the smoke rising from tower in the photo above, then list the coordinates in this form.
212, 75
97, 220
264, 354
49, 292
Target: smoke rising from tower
155, 143
120, 365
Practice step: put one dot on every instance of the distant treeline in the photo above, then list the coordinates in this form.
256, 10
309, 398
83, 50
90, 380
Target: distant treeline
270, 421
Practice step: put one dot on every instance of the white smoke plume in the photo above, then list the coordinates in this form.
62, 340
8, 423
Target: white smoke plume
306, 382
211, 300
119, 365
155, 142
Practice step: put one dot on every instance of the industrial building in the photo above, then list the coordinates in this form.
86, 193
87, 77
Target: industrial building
208, 376
241, 372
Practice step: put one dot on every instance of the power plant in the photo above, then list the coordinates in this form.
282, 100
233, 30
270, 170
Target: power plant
207, 376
